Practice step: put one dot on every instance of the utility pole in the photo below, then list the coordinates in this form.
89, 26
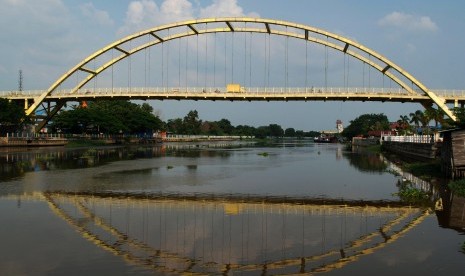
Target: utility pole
20, 82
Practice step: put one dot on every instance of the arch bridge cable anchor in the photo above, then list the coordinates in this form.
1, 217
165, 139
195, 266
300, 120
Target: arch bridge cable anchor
298, 31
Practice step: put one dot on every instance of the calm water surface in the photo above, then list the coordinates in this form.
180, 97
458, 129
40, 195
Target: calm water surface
236, 208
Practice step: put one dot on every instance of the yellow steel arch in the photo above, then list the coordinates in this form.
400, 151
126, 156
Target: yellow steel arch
239, 24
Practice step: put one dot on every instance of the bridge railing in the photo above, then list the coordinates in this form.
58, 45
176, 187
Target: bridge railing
245, 90
250, 91
422, 139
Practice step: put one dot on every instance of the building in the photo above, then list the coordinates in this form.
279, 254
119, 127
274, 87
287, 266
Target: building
339, 126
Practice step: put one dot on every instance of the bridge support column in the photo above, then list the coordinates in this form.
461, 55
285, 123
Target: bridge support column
456, 103
26, 104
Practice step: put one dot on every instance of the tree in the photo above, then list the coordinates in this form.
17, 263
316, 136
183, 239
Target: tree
175, 126
415, 118
12, 116
211, 128
245, 130
403, 124
276, 130
225, 126
364, 123
437, 115
290, 132
192, 123
262, 132
109, 116
299, 133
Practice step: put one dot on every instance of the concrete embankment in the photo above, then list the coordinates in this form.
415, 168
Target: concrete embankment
417, 151
421, 150
31, 142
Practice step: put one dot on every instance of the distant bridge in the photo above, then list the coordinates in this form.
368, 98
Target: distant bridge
76, 83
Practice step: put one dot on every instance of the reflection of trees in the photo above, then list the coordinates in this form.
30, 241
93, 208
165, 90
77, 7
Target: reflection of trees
9, 171
366, 161
15, 164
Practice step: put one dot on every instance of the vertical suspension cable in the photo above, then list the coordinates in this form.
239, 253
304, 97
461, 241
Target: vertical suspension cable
179, 63
348, 70
326, 65
250, 60
344, 81
149, 67
112, 63
145, 68
187, 58
369, 73
383, 76
232, 58
306, 64
214, 61
225, 60
163, 65
245, 56
363, 75
287, 63
269, 60
130, 68
197, 60
95, 76
206, 57
265, 63
168, 63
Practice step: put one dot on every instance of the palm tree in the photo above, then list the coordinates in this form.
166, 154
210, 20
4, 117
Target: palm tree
403, 123
415, 118
424, 120
437, 115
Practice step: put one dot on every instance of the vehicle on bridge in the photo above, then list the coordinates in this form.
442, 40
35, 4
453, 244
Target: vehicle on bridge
235, 88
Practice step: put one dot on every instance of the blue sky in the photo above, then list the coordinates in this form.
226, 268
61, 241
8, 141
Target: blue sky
46, 38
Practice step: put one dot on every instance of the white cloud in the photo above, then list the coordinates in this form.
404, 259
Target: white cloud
408, 22
224, 8
143, 14
100, 16
176, 9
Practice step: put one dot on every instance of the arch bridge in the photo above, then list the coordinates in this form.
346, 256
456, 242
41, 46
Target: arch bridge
76, 84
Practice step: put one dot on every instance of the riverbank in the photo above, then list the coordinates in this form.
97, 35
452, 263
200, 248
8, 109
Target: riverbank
428, 169
32, 141
100, 140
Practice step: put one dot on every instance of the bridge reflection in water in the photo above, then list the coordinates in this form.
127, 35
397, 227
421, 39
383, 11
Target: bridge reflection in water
176, 234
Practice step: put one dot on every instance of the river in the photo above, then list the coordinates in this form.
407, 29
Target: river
226, 208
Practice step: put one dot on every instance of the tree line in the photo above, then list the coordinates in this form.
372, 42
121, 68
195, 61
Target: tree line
125, 117
417, 122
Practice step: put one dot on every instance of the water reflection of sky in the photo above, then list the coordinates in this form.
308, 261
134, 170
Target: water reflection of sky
286, 169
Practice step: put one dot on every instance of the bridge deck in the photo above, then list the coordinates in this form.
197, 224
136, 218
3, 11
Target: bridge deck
249, 94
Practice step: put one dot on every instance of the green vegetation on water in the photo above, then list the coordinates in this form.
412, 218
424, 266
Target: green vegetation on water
458, 187
409, 193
